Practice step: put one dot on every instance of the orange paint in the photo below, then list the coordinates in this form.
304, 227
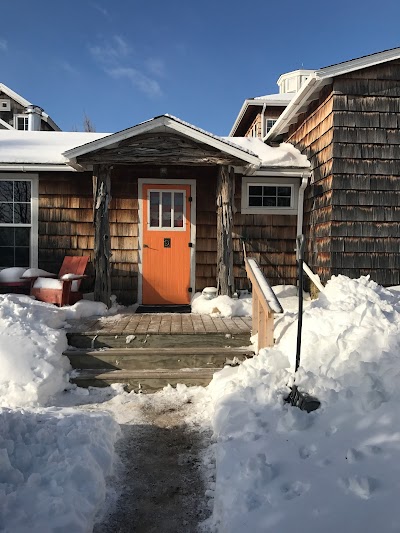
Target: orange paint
166, 270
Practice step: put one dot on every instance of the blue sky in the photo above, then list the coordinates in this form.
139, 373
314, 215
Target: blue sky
123, 62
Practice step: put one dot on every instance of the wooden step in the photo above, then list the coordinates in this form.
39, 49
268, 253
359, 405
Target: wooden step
90, 340
155, 358
146, 381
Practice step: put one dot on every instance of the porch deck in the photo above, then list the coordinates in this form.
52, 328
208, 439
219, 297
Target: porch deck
126, 324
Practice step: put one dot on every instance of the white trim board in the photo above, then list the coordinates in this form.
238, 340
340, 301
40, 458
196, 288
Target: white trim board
160, 181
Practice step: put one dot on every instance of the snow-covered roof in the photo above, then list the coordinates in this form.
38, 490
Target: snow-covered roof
283, 156
51, 149
275, 99
172, 124
40, 147
317, 80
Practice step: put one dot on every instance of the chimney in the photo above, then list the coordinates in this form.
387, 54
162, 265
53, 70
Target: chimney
34, 113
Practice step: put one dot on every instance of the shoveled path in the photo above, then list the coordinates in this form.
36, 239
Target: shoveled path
160, 483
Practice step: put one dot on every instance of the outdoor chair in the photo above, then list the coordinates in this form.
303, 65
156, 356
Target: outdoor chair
63, 290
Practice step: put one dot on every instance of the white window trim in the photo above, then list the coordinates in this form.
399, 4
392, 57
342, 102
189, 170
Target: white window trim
21, 115
266, 124
34, 225
271, 181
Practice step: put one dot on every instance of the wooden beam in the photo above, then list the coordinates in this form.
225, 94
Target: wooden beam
102, 247
225, 204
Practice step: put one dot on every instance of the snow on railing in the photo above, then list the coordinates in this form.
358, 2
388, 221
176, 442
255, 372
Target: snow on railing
265, 304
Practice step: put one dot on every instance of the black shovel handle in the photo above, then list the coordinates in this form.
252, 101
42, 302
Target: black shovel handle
300, 253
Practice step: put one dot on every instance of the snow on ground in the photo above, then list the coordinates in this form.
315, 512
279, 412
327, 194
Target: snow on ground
277, 467
53, 461
53, 465
222, 306
338, 468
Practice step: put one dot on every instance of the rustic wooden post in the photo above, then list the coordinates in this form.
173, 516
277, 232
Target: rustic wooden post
102, 247
225, 206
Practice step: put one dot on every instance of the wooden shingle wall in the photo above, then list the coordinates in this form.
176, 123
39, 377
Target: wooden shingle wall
366, 150
313, 136
352, 207
270, 239
66, 228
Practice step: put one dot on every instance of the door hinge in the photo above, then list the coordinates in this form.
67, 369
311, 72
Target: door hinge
190, 289
190, 244
190, 199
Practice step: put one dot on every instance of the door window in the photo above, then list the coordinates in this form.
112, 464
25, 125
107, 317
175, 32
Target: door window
166, 209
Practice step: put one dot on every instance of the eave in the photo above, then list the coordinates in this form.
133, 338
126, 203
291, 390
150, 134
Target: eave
311, 89
163, 124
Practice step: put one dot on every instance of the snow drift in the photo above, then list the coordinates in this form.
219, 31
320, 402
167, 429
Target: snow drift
53, 464
338, 468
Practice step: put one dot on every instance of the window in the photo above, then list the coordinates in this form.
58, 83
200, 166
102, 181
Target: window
21, 122
18, 222
167, 209
269, 124
269, 195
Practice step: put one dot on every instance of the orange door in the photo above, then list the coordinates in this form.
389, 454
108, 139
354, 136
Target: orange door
165, 247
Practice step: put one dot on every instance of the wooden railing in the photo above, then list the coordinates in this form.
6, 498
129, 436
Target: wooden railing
265, 305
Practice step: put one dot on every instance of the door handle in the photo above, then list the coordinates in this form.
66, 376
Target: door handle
145, 245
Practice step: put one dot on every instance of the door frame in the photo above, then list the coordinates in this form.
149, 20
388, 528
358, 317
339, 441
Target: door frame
161, 181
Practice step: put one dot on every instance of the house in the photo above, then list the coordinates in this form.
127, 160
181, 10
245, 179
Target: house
162, 208
258, 115
16, 113
165, 209
345, 119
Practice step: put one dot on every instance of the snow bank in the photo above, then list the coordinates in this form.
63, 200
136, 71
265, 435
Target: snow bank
338, 468
221, 305
53, 464
31, 344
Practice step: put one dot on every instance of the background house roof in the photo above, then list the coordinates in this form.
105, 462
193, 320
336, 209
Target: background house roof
317, 80
25, 103
272, 100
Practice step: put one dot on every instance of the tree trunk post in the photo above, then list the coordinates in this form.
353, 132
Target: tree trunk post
102, 247
225, 209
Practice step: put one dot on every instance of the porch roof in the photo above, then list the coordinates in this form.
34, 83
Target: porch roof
167, 124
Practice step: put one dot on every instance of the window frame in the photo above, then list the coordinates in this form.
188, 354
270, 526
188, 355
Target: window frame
34, 224
270, 181
267, 130
26, 120
166, 228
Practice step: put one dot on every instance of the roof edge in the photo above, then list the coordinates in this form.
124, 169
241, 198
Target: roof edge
310, 90
172, 123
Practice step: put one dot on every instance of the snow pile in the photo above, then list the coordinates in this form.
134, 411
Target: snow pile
221, 306
338, 468
84, 308
53, 465
36, 272
11, 275
284, 155
31, 344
